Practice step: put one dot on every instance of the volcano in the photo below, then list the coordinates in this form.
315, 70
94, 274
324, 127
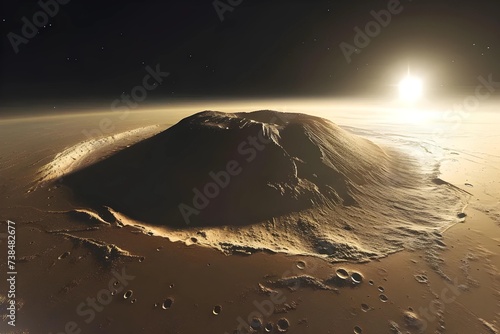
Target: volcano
222, 169
277, 181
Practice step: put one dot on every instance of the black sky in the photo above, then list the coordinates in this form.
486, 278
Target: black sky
95, 50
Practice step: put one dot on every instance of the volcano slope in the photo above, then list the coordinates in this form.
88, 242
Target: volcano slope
282, 182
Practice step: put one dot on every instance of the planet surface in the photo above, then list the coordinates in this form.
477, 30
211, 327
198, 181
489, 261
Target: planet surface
255, 221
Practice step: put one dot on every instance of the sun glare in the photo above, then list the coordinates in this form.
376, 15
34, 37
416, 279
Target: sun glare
410, 89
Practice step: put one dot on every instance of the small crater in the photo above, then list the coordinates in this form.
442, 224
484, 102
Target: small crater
217, 310
167, 303
356, 278
128, 294
342, 274
256, 324
269, 327
301, 265
382, 272
383, 298
365, 307
357, 330
421, 279
381, 289
283, 324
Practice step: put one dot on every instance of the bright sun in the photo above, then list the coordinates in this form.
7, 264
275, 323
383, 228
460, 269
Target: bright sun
410, 89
